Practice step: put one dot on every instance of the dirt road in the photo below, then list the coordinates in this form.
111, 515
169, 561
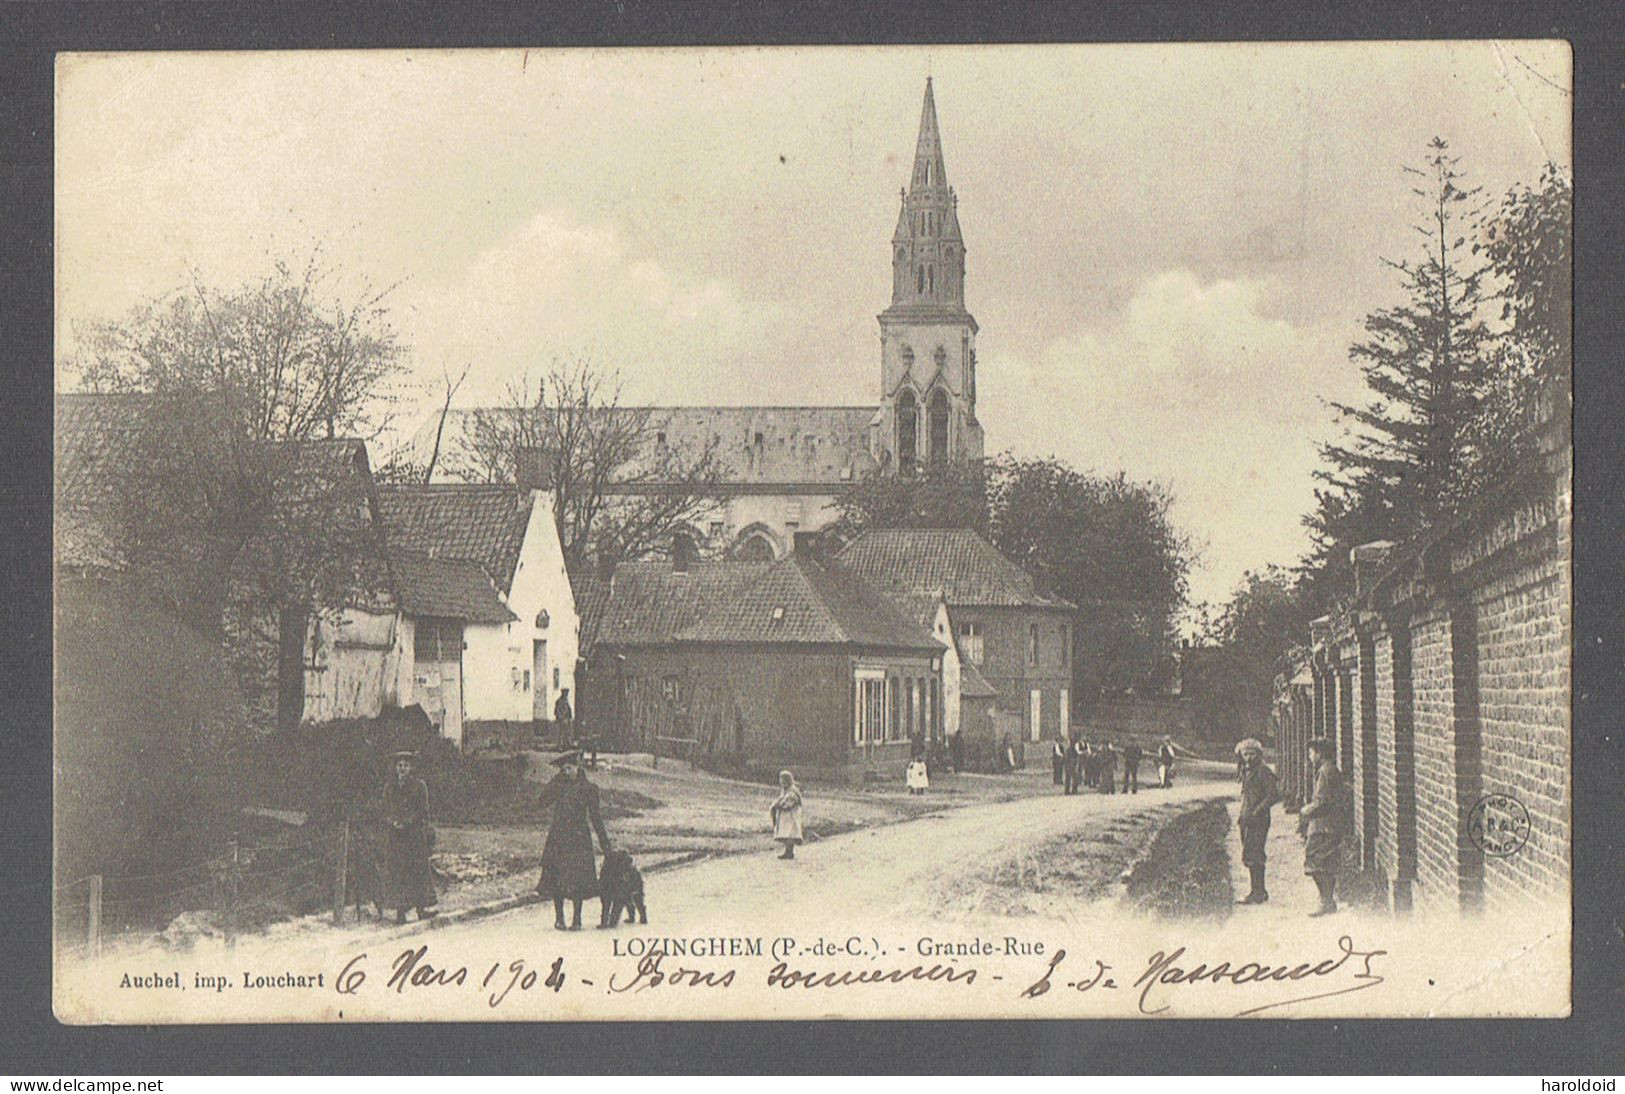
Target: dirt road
946, 867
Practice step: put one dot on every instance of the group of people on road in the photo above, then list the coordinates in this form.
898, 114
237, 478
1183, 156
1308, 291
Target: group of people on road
1323, 821
1080, 764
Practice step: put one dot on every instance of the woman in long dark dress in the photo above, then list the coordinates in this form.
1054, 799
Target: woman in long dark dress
569, 870
408, 877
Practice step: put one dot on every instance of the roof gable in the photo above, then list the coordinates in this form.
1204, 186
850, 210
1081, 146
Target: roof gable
956, 563
446, 588
480, 524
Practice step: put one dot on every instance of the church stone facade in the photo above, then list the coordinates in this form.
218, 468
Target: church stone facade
783, 467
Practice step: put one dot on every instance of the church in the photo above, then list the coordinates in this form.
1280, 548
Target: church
782, 467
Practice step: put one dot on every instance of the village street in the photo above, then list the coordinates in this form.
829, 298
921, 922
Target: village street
1043, 855
959, 864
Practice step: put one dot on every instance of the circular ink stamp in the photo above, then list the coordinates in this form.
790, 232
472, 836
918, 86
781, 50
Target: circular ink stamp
1498, 825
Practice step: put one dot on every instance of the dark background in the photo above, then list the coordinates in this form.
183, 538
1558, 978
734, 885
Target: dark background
32, 1041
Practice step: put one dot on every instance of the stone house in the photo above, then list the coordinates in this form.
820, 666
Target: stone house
1018, 639
489, 629
765, 662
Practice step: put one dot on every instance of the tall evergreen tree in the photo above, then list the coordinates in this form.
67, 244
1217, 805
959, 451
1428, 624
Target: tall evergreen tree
1406, 462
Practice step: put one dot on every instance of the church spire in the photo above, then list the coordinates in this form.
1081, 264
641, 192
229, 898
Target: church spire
928, 252
929, 172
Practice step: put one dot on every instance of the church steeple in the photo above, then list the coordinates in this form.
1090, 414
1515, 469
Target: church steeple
929, 171
928, 253
928, 339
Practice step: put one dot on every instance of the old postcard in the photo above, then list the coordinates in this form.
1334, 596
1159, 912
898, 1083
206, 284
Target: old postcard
1021, 532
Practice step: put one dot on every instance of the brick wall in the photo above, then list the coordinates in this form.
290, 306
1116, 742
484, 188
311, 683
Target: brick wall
1437, 854
1447, 681
1524, 704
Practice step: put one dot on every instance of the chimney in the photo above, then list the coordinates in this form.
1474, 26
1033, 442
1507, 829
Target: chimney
682, 552
809, 545
1320, 630
531, 469
1369, 560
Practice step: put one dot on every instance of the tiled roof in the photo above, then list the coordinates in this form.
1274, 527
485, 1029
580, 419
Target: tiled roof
800, 601
591, 595
647, 603
447, 588
956, 563
97, 437
94, 436
482, 524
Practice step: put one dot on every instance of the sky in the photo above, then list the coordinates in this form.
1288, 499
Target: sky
1170, 248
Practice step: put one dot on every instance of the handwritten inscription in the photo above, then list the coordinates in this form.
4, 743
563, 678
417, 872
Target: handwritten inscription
1162, 979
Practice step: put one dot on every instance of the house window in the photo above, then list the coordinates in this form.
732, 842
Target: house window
895, 706
671, 687
1065, 647
970, 642
437, 640
868, 720
1032, 643
715, 528
910, 712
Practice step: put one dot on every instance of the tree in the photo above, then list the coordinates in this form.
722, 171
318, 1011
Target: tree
1407, 461
1527, 241
619, 491
952, 495
1246, 646
1110, 546
244, 501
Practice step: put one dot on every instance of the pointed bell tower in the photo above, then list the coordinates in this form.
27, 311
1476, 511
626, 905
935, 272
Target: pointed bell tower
928, 339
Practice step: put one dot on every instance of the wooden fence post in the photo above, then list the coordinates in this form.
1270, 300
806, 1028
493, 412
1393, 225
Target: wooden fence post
232, 894
342, 882
93, 921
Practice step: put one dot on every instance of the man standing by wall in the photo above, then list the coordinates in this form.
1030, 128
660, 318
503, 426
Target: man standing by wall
1259, 793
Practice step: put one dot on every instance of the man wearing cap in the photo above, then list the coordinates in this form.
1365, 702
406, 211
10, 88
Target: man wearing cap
408, 878
1259, 792
1321, 823
569, 870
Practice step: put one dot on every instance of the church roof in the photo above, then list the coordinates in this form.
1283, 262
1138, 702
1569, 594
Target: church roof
956, 563
749, 444
799, 601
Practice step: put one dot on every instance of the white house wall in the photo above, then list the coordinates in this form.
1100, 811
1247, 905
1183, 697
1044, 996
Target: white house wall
942, 629
498, 659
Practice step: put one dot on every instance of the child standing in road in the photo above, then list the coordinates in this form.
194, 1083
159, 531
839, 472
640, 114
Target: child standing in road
786, 814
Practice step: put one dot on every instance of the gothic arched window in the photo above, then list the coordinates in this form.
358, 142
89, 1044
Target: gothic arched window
920, 280
937, 419
908, 426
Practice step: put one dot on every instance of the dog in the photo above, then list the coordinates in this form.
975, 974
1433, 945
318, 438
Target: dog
621, 890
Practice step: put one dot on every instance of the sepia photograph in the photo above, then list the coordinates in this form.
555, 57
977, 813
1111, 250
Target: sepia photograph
1032, 532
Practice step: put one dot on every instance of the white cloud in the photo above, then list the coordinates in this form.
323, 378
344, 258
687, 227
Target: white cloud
1195, 384
559, 285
